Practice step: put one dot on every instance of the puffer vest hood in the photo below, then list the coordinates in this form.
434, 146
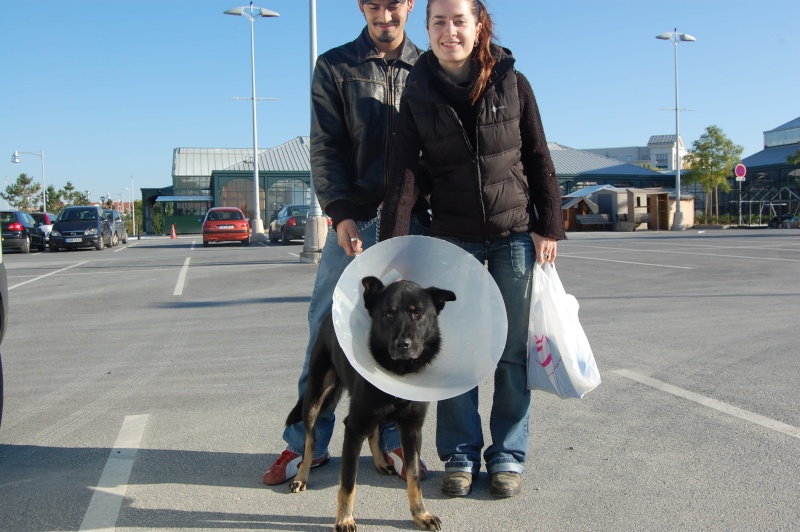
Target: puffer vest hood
479, 193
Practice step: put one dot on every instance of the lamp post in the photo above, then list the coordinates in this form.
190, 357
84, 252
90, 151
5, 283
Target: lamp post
675, 37
15, 159
258, 224
317, 228
133, 208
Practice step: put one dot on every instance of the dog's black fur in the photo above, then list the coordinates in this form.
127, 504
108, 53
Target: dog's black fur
404, 338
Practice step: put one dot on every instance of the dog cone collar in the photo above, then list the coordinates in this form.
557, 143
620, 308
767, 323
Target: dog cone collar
473, 327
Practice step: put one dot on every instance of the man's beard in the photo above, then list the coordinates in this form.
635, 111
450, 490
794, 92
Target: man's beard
385, 36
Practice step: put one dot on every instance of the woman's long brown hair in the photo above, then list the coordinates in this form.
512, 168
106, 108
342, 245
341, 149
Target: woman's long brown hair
482, 54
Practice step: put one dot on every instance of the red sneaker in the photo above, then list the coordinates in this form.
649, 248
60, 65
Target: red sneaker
285, 467
396, 459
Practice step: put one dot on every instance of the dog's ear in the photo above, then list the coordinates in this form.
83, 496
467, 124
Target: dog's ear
440, 297
372, 285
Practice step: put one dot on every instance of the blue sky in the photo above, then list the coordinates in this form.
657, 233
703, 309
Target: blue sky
109, 89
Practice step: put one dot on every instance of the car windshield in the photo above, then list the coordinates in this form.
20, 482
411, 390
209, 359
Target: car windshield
6, 217
298, 211
72, 215
225, 215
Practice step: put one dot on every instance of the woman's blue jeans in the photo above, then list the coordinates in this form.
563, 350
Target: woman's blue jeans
331, 266
459, 435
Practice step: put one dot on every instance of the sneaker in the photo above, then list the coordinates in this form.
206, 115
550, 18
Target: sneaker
285, 467
395, 458
457, 483
505, 484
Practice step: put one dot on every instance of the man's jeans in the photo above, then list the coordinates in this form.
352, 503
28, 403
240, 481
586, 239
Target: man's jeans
459, 436
332, 263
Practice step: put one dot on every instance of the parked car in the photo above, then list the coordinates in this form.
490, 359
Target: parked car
289, 224
20, 231
80, 227
45, 221
3, 319
119, 229
225, 224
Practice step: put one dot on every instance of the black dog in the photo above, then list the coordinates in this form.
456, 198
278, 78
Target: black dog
404, 338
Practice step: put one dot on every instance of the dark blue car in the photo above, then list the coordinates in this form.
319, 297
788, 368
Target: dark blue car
81, 227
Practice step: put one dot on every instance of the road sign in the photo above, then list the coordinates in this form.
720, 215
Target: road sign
740, 172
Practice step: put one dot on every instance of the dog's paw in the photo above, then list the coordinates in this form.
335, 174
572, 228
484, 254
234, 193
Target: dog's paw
385, 468
296, 486
427, 521
346, 525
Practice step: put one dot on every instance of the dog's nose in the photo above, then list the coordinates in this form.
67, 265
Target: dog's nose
403, 343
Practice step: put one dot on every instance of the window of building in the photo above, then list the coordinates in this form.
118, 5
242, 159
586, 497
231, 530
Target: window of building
662, 161
239, 193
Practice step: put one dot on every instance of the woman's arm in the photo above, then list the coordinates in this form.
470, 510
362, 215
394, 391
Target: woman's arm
404, 170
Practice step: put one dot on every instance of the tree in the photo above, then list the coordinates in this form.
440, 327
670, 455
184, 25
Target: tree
24, 194
793, 159
712, 160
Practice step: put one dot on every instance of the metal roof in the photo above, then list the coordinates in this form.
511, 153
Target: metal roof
792, 124
661, 139
292, 156
572, 162
185, 198
771, 156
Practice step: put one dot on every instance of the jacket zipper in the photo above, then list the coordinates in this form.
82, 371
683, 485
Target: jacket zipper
475, 162
390, 129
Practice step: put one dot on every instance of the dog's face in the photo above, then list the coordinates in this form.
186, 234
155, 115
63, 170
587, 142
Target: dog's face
404, 337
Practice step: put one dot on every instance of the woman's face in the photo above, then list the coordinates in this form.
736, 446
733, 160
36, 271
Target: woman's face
453, 32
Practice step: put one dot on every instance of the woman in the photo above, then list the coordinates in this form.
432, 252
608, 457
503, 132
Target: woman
494, 193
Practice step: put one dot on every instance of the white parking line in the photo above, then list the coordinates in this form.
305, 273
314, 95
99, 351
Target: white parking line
103, 510
182, 277
46, 275
731, 410
625, 262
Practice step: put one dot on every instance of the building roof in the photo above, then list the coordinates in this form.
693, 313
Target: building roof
771, 156
792, 124
292, 156
572, 162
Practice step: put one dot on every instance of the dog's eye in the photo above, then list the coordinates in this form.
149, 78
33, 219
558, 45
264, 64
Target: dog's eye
388, 315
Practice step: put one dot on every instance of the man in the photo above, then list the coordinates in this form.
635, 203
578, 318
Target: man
355, 95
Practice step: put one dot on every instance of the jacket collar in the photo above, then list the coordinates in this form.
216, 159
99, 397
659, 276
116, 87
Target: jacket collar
366, 50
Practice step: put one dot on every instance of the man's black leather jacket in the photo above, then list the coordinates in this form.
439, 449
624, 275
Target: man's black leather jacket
355, 98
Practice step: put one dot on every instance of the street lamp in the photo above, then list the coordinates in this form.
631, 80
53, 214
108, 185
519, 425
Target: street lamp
258, 224
15, 159
675, 37
133, 208
317, 227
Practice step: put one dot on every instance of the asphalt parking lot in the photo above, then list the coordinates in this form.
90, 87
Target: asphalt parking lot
146, 388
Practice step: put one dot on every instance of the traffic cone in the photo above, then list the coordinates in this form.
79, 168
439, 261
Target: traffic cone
172, 234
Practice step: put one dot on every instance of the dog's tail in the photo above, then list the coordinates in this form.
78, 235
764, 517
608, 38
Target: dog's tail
296, 414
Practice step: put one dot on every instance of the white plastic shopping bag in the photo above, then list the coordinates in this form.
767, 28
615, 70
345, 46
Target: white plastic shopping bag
560, 360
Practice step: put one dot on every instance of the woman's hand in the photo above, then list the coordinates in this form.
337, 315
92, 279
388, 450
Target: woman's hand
546, 248
349, 241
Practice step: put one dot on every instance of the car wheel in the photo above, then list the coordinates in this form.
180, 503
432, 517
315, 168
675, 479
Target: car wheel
42, 245
246, 242
101, 243
26, 245
272, 237
284, 238
114, 239
205, 243
125, 240
53, 248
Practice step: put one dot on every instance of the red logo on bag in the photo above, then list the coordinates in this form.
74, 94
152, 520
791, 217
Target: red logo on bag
540, 346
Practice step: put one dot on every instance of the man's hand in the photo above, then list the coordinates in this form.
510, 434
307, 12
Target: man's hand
349, 241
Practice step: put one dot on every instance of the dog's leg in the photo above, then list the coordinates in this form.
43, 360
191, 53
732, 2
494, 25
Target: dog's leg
351, 449
383, 467
312, 405
411, 440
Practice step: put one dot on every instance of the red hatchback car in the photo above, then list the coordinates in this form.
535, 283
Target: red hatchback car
225, 224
